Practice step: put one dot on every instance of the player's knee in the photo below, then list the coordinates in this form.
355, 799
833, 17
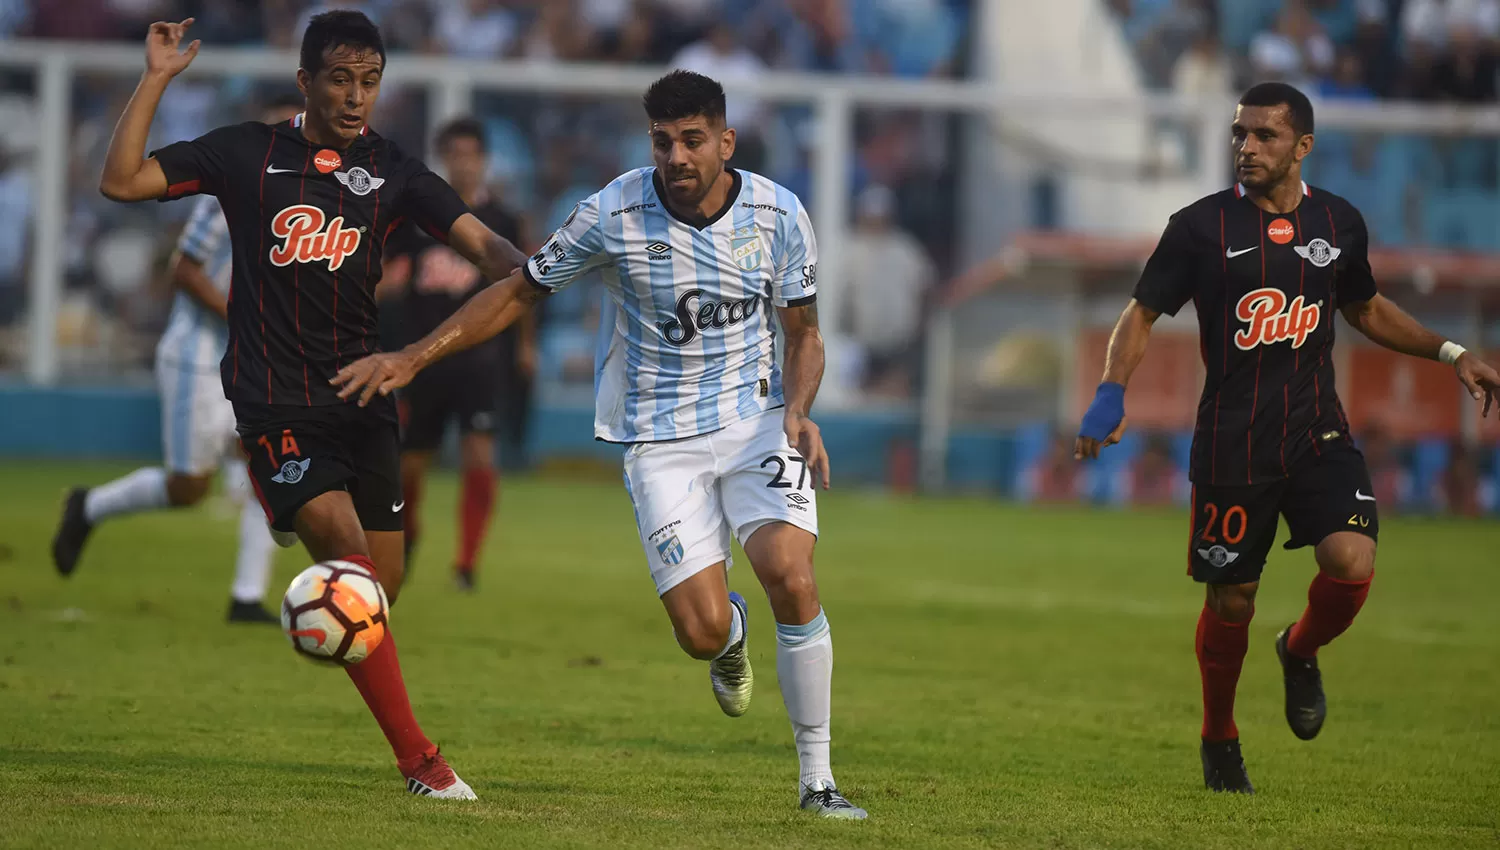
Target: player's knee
793, 585
1347, 557
702, 638
1232, 603
187, 490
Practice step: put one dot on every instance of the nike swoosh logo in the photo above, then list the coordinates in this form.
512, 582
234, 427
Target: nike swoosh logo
396, 508
271, 169
1362, 497
1231, 253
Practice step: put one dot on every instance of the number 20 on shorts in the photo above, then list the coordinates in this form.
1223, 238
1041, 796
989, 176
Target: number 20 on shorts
1232, 526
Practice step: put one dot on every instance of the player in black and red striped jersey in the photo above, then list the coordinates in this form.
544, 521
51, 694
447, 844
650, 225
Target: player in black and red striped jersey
481, 390
1267, 264
309, 204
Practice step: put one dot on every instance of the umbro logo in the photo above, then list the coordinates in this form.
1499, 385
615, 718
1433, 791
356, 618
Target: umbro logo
797, 500
659, 250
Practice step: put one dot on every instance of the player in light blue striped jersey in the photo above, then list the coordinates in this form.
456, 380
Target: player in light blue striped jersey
701, 262
197, 422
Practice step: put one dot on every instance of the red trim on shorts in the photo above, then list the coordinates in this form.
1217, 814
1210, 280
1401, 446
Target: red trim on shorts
186, 187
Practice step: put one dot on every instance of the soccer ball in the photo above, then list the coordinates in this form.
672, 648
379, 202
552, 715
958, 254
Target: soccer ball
334, 612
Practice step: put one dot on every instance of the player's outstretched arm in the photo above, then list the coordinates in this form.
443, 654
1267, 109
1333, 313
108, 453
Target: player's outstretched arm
494, 255
804, 373
1385, 323
128, 175
479, 319
1104, 422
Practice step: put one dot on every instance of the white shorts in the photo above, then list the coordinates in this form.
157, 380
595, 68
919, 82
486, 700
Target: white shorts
691, 495
197, 422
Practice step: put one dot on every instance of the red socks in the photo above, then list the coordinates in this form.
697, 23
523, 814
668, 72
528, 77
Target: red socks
379, 681
1331, 607
1221, 653
477, 501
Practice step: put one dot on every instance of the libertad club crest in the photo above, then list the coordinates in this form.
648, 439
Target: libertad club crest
359, 181
1218, 556
292, 471
1318, 252
745, 246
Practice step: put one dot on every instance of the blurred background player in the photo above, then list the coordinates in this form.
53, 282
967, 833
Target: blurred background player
690, 251
197, 422
1266, 263
305, 200
483, 389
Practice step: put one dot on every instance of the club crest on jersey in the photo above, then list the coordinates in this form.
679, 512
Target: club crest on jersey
292, 471
359, 181
306, 240
1273, 320
1218, 557
1318, 252
745, 246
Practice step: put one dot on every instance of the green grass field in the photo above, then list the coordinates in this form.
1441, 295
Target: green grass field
1006, 677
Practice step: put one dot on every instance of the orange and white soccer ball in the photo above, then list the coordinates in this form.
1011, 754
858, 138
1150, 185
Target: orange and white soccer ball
335, 612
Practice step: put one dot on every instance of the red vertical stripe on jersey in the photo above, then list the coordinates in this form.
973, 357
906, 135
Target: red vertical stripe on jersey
297, 283
1213, 461
1259, 356
260, 222
337, 364
1333, 297
1192, 525
370, 252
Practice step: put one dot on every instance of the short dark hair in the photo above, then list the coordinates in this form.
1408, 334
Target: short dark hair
463, 128
339, 28
684, 94
1298, 108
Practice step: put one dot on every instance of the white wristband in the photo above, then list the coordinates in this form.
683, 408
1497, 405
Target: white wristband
1450, 352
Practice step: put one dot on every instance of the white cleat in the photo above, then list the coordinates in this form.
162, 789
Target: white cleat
730, 673
430, 776
827, 802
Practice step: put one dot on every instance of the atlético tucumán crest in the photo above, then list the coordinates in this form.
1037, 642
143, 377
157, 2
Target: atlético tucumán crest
745, 245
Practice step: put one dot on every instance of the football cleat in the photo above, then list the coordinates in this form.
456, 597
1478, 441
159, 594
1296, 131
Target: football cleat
1306, 706
72, 532
827, 802
250, 612
1224, 767
730, 673
464, 580
429, 775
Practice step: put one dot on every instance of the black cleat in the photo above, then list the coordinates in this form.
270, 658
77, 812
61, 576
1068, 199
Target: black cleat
1224, 768
72, 532
250, 612
1306, 706
464, 581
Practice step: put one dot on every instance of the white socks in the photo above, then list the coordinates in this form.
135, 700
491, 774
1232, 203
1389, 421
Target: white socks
736, 630
142, 490
252, 566
804, 666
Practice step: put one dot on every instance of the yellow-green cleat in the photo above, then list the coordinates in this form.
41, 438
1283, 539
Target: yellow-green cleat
730, 673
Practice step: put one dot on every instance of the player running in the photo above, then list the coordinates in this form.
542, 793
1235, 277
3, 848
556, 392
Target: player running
1266, 264
432, 281
197, 422
309, 203
691, 251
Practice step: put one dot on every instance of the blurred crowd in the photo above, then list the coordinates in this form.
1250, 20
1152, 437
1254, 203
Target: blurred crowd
1433, 476
1414, 190
548, 152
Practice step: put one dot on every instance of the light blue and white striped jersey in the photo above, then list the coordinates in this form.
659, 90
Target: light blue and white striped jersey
688, 334
195, 338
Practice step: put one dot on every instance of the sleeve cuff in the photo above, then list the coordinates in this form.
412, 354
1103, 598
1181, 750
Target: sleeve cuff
803, 301
531, 278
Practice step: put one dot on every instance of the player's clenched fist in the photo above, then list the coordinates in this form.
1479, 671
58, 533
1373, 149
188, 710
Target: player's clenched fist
378, 373
164, 54
804, 435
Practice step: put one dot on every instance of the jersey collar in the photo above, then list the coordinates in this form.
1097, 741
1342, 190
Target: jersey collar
730, 199
1239, 190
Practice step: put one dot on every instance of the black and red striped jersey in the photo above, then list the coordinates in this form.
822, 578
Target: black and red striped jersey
308, 226
1266, 287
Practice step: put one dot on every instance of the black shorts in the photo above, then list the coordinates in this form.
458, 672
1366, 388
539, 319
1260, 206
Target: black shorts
1234, 527
467, 395
299, 453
